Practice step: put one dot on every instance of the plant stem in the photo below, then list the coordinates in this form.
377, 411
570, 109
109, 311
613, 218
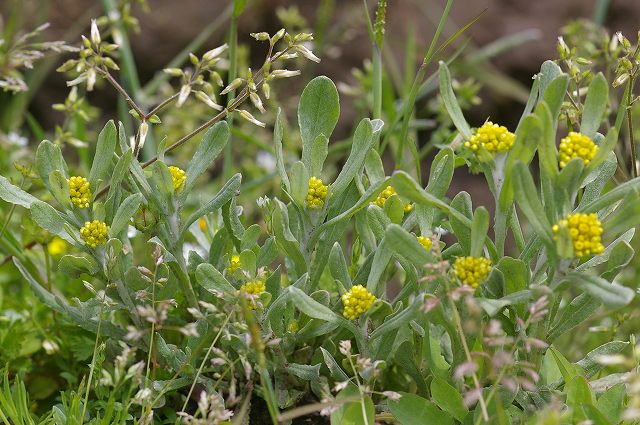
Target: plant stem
93, 359
362, 405
204, 360
632, 143
476, 382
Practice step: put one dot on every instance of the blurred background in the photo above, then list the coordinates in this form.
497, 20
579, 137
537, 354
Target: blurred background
522, 34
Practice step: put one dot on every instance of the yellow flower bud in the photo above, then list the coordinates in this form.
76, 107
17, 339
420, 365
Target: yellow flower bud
94, 233
178, 176
317, 193
234, 264
356, 302
57, 246
79, 191
425, 242
254, 287
585, 231
472, 270
576, 145
493, 137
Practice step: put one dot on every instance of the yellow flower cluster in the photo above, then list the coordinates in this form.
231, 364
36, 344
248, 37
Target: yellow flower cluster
254, 287
94, 233
493, 137
425, 242
317, 193
178, 176
472, 270
576, 145
388, 192
357, 301
234, 264
585, 231
79, 191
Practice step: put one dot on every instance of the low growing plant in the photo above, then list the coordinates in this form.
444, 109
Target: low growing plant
361, 296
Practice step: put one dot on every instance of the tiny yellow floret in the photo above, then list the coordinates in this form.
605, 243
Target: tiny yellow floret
472, 270
202, 224
576, 145
357, 301
585, 231
493, 137
254, 287
234, 264
94, 233
387, 193
317, 193
178, 176
425, 242
79, 191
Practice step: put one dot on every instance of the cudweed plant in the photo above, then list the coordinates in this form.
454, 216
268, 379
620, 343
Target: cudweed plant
360, 296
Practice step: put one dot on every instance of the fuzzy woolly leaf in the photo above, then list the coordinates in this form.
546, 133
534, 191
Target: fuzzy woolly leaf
595, 105
15, 195
450, 101
213, 141
126, 210
318, 113
105, 149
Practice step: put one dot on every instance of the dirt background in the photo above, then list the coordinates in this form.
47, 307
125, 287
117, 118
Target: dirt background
173, 23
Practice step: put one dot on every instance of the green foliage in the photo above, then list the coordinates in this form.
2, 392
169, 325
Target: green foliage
201, 307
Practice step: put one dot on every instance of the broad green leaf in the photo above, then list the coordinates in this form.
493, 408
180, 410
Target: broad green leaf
248, 261
595, 105
318, 112
595, 415
528, 137
49, 159
450, 101
336, 371
126, 210
590, 363
448, 398
210, 147
567, 369
212, 280
362, 143
59, 188
303, 371
549, 71
313, 308
410, 313
72, 265
611, 294
338, 265
15, 195
102, 159
554, 95
285, 238
578, 392
314, 155
479, 229
612, 196
610, 403
351, 412
412, 409
50, 219
394, 209
374, 167
299, 183
579, 310
462, 203
250, 237
526, 194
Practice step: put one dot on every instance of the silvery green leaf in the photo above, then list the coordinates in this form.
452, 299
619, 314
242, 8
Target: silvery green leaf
14, 195
125, 211
210, 147
103, 157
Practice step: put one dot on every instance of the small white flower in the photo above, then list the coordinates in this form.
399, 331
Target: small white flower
266, 160
214, 53
247, 116
95, 32
307, 53
184, 94
284, 73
